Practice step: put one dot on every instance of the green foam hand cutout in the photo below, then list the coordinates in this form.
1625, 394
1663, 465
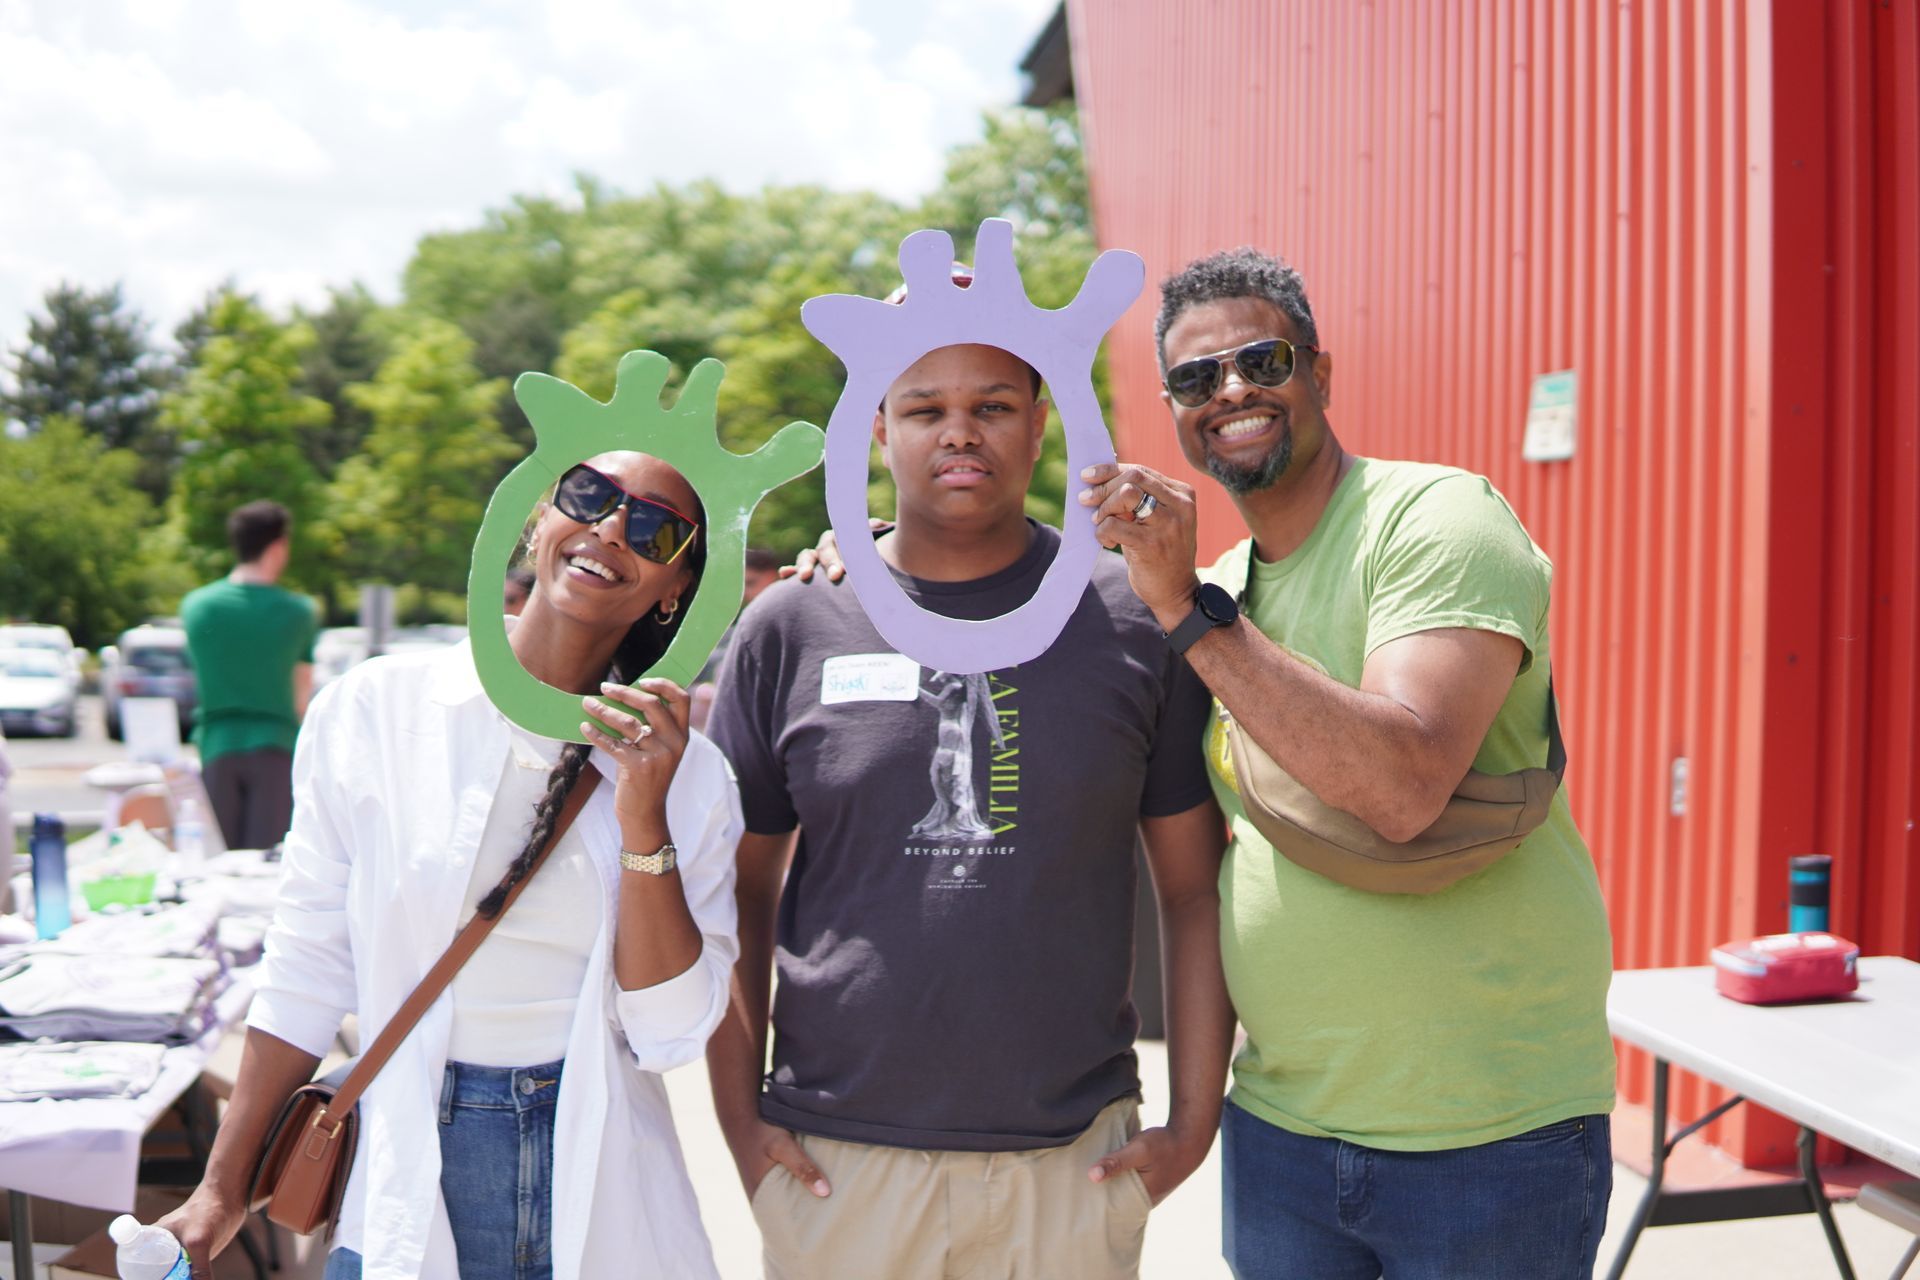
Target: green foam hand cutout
570, 426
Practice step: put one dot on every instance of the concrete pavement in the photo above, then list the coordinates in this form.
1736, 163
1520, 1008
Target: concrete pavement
49, 773
1183, 1238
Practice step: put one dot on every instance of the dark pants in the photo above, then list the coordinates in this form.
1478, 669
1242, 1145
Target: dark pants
1530, 1207
252, 794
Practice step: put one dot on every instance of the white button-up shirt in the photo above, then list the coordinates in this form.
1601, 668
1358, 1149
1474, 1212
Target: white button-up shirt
393, 778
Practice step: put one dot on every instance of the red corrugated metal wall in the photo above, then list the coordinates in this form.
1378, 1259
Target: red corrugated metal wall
1709, 212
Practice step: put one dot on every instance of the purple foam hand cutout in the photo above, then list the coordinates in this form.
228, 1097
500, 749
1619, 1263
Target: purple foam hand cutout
878, 341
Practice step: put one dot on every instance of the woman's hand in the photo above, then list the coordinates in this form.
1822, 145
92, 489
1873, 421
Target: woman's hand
205, 1225
649, 724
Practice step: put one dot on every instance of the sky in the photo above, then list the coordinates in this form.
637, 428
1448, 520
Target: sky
294, 144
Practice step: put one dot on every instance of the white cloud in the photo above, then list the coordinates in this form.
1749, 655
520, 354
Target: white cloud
295, 144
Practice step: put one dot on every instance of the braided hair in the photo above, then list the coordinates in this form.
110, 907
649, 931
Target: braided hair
639, 649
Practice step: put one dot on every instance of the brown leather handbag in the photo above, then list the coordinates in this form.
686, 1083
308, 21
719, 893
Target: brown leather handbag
303, 1168
1486, 818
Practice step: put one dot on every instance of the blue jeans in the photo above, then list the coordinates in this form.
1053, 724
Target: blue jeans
1531, 1207
496, 1172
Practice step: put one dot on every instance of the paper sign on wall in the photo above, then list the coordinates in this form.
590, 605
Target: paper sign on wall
1550, 419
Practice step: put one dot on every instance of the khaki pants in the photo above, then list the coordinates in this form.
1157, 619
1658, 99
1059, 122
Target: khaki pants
902, 1214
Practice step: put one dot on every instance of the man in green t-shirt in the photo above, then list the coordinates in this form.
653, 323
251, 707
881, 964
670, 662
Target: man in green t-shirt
1426, 1079
252, 648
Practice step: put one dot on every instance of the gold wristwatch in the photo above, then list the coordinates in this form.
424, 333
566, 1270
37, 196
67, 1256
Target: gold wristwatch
657, 863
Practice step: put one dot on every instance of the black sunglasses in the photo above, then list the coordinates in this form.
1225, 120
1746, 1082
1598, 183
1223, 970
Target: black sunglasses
1267, 363
655, 530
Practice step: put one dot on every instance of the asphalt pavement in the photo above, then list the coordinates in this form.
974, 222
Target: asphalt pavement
49, 774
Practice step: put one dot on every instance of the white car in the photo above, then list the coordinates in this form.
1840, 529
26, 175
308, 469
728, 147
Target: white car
337, 648
148, 661
38, 692
47, 636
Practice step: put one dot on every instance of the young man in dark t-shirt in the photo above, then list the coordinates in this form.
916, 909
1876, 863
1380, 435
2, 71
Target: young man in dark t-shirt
954, 1083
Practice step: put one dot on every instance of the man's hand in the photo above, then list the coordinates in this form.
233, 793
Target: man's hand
1163, 1157
761, 1147
824, 556
1160, 549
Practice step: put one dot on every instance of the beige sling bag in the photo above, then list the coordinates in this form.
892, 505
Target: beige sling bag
1486, 818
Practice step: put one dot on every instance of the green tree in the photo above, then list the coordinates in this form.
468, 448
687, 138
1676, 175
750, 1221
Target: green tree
350, 342
88, 358
244, 429
571, 285
507, 284
406, 507
776, 371
1028, 167
197, 326
93, 576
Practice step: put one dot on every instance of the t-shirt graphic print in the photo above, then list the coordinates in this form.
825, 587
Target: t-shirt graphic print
955, 815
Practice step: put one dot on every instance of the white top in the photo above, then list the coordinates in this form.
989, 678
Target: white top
1848, 1068
394, 778
513, 1002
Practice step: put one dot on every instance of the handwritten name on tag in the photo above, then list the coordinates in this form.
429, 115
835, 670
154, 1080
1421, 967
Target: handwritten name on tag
869, 677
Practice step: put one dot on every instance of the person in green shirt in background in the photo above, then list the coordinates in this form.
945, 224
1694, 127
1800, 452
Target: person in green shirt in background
1426, 1079
251, 642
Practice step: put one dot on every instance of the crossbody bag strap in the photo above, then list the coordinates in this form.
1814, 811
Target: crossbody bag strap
1556, 748
465, 943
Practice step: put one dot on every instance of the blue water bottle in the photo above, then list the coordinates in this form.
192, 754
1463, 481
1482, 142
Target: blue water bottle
1809, 880
52, 905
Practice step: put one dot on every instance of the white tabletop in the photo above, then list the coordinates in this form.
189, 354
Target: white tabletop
86, 1151
1846, 1068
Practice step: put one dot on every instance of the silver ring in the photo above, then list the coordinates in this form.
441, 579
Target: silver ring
1147, 505
640, 734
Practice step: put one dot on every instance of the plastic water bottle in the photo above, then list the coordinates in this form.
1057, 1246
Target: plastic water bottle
1809, 882
146, 1253
52, 895
190, 838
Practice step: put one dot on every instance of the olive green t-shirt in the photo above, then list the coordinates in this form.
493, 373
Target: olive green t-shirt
245, 640
1399, 1021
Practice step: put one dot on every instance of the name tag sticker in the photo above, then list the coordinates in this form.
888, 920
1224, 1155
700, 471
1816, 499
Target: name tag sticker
869, 677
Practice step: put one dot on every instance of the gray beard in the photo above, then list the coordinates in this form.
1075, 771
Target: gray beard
1261, 475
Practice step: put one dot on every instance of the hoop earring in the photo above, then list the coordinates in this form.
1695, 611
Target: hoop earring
663, 613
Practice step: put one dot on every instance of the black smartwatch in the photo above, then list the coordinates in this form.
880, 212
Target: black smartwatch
1212, 607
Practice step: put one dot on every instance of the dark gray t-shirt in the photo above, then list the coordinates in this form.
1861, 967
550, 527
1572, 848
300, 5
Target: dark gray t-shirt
956, 933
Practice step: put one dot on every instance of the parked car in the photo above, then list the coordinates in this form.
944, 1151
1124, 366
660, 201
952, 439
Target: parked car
47, 636
336, 649
38, 692
148, 661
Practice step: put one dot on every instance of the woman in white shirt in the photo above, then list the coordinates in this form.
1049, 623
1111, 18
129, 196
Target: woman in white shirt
521, 1130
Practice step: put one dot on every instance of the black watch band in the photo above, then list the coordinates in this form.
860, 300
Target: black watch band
1212, 607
